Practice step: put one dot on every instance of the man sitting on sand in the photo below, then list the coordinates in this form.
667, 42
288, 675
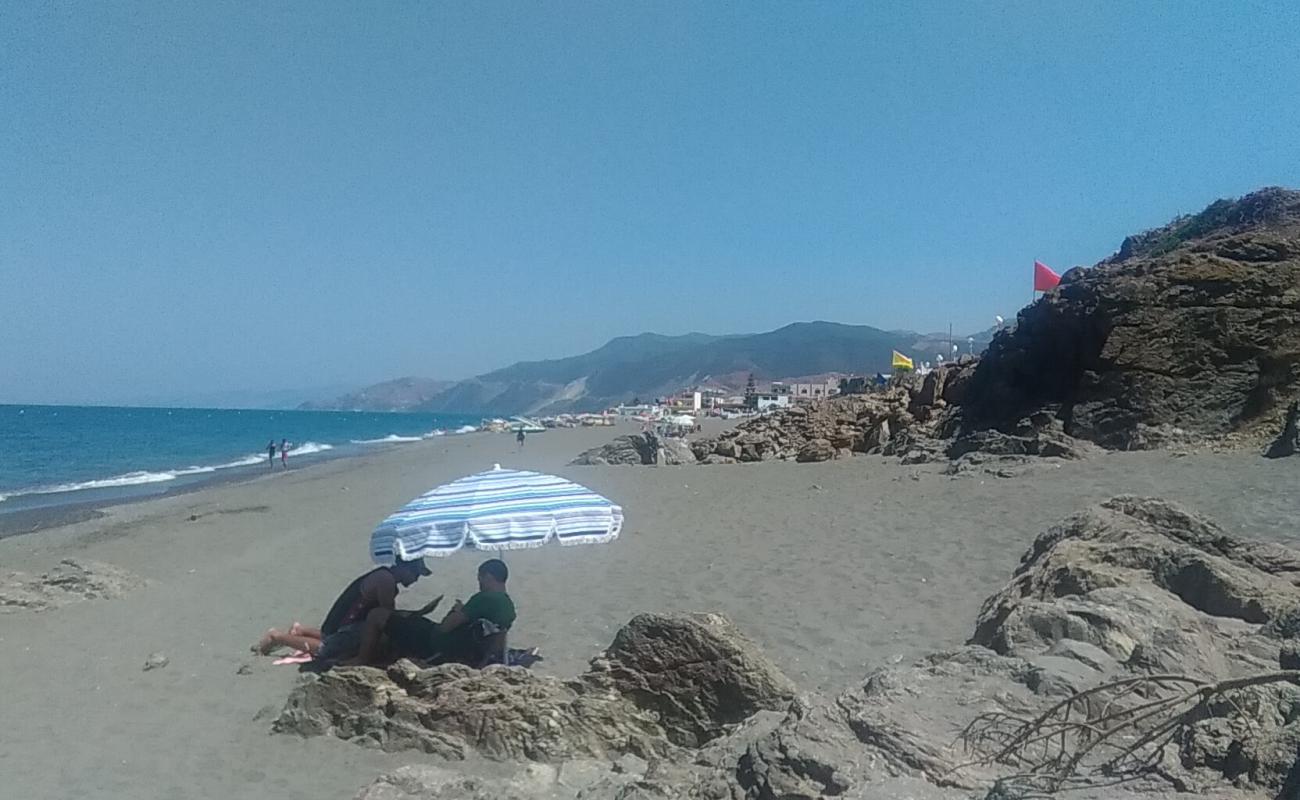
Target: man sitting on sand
371, 596
453, 639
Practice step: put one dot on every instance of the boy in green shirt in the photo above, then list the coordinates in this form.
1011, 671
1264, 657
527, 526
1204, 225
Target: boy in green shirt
453, 638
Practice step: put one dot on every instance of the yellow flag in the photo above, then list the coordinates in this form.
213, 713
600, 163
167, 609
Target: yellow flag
901, 361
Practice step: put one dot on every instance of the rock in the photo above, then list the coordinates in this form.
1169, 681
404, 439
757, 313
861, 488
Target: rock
816, 450
639, 448
502, 713
697, 672
666, 679
70, 581
529, 782
1287, 442
1193, 327
877, 438
156, 661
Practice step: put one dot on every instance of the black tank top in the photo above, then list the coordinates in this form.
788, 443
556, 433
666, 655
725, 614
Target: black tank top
346, 606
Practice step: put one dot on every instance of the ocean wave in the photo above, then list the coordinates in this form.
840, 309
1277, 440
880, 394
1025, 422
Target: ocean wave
434, 433
246, 461
126, 479
467, 429
140, 478
389, 439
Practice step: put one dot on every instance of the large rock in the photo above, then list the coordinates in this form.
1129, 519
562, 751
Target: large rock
1189, 331
502, 713
816, 450
697, 672
639, 448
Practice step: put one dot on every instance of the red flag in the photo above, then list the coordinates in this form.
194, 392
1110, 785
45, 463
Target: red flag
1044, 277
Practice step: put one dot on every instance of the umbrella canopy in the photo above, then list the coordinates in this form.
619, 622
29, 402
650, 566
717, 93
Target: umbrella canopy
501, 509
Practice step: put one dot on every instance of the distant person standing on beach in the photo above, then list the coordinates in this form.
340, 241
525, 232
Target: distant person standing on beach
284, 453
270, 454
519, 438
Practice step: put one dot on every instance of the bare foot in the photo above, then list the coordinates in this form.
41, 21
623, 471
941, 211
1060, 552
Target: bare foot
267, 643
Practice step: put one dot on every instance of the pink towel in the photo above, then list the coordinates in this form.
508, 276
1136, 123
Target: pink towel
299, 657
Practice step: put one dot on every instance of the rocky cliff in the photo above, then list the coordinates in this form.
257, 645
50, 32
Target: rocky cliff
1191, 330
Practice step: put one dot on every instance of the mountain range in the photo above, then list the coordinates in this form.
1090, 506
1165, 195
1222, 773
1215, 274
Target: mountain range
652, 365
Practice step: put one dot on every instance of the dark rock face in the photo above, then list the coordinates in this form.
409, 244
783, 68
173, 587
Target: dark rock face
1287, 442
1190, 330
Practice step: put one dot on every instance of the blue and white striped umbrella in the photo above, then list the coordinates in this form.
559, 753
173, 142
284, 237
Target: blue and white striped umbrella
501, 509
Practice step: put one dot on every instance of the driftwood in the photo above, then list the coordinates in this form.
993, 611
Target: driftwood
1110, 733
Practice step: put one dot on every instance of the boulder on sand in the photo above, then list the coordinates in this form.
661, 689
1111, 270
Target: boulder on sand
697, 672
666, 680
816, 450
638, 448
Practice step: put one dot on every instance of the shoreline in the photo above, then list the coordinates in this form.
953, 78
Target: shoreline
23, 521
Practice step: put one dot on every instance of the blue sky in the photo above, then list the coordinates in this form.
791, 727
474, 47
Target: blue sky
203, 197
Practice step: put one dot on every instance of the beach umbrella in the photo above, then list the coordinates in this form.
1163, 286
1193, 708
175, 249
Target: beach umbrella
500, 509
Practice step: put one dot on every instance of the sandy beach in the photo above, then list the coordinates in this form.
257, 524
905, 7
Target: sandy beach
832, 568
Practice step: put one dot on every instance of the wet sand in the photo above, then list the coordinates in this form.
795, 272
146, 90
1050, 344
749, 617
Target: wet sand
833, 568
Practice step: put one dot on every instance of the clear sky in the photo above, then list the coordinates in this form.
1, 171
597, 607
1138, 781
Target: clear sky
213, 196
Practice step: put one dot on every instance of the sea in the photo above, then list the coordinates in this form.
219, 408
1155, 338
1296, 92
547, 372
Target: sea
60, 455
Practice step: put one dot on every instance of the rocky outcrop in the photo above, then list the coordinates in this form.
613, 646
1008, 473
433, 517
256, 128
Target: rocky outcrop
685, 707
1191, 331
70, 581
646, 448
454, 711
1133, 587
697, 673
665, 681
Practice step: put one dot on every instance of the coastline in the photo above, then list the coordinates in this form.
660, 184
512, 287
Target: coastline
831, 568
20, 522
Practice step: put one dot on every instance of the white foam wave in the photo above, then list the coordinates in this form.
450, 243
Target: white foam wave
389, 439
140, 478
194, 471
127, 479
246, 461
467, 429
434, 433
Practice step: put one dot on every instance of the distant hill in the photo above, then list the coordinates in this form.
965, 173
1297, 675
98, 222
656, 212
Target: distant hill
651, 365
403, 394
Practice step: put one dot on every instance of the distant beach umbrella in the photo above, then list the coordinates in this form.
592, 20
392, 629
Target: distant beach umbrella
500, 509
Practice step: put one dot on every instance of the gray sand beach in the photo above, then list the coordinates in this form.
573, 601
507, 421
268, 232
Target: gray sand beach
831, 568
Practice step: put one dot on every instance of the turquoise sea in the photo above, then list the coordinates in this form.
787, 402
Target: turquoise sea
56, 455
